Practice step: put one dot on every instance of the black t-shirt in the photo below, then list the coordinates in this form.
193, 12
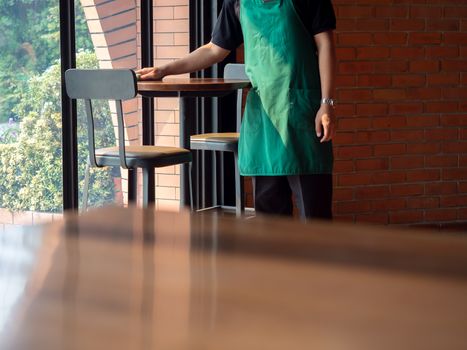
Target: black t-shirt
317, 16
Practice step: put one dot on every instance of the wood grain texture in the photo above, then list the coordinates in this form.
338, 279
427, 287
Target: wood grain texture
131, 279
191, 84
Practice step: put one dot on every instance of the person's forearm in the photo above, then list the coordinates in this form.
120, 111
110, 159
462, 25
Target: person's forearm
327, 63
203, 57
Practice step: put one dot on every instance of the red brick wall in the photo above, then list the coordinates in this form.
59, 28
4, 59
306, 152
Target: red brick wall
401, 146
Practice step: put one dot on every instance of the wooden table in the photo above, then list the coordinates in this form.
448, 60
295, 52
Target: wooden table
185, 88
132, 279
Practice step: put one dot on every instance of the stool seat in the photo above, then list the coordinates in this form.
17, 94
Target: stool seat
143, 156
226, 141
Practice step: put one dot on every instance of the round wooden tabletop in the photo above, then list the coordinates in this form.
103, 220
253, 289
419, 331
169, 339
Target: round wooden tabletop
191, 84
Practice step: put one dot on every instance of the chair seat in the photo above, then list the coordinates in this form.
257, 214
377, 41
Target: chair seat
226, 141
144, 156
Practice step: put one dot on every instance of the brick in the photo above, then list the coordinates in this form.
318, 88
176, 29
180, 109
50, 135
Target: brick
345, 110
388, 204
388, 177
171, 26
454, 201
441, 52
441, 188
425, 12
441, 134
408, 80
391, 11
353, 123
454, 65
441, 107
372, 52
407, 24
161, 39
454, 174
455, 93
407, 135
393, 38
345, 53
181, 12
345, 81
381, 219
389, 149
346, 24
353, 179
372, 164
389, 94
442, 161
407, 162
425, 66
423, 148
355, 67
454, 120
408, 52
391, 122
440, 215
405, 108
372, 25
372, 136
354, 12
405, 217
182, 39
353, 207
423, 175
391, 66
164, 13
371, 109
344, 138
405, 190
424, 38
354, 39
342, 194
353, 151
353, 95
455, 12
443, 79
343, 166
430, 93
423, 202
374, 80
442, 25
371, 192
454, 147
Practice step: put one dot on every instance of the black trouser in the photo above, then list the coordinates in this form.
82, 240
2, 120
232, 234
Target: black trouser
312, 193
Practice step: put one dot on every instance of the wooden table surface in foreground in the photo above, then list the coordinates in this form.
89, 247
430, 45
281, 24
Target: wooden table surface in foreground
133, 279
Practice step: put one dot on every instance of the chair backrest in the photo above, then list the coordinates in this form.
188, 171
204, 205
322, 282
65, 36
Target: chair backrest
105, 84
236, 71
102, 84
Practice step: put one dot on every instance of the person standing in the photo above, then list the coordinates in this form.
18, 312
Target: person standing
285, 137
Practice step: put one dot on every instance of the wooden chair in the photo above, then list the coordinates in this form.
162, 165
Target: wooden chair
118, 85
227, 141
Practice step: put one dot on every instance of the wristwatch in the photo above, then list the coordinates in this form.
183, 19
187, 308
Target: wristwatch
327, 101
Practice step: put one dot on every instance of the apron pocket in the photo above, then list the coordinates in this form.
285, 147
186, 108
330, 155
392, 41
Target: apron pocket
303, 105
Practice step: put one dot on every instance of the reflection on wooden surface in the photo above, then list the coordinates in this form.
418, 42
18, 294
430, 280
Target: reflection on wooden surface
133, 279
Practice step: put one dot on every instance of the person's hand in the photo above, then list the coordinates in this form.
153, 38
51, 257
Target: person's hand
325, 123
150, 73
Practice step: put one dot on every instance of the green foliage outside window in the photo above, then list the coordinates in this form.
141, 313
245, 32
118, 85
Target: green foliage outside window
30, 87
31, 168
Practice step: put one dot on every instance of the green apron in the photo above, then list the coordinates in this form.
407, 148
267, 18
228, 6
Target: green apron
278, 134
